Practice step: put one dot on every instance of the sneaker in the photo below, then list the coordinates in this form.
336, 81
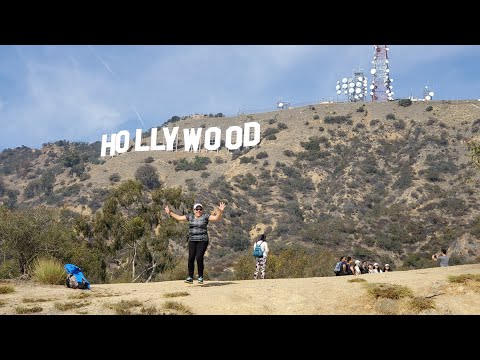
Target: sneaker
189, 280
200, 280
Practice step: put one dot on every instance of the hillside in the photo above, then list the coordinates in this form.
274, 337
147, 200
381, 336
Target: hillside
431, 293
377, 181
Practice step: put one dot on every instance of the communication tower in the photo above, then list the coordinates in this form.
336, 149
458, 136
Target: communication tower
381, 87
428, 93
355, 87
283, 105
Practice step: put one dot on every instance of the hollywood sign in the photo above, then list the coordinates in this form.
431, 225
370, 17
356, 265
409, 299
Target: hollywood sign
235, 137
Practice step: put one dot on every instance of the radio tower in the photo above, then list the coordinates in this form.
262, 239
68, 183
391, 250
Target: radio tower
381, 88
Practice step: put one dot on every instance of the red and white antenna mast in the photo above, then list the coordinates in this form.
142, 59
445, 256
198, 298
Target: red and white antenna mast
381, 88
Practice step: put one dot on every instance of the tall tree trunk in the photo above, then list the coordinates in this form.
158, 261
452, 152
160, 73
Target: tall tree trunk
133, 260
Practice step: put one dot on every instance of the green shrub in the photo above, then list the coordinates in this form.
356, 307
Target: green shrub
148, 176
49, 271
404, 102
429, 108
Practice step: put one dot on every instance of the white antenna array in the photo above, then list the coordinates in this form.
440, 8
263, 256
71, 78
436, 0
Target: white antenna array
428, 93
355, 88
282, 105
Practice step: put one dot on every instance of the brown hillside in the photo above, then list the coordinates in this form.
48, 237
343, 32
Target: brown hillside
378, 181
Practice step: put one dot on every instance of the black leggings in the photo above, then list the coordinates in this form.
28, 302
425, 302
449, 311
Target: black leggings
196, 250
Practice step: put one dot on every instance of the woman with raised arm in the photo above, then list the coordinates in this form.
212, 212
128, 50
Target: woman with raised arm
197, 236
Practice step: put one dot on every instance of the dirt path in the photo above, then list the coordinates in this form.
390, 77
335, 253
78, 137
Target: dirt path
316, 296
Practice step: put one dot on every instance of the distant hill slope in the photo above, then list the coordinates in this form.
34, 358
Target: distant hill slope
377, 181
431, 292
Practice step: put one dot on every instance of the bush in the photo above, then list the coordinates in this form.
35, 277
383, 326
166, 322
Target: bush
148, 176
389, 291
115, 177
49, 271
149, 160
404, 102
429, 108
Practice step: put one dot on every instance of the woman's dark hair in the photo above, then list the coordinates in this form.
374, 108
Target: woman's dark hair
262, 237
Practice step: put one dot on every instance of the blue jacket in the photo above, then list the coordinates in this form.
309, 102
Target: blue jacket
77, 272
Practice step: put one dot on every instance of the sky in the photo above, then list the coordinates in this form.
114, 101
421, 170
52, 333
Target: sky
80, 92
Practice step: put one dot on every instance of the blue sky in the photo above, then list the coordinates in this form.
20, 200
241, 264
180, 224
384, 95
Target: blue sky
79, 92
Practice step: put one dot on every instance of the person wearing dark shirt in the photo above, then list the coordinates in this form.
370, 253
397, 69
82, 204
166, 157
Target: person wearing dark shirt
197, 236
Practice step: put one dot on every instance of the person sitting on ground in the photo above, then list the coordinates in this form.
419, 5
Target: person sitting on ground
441, 258
343, 267
350, 269
376, 268
364, 267
386, 268
357, 269
370, 268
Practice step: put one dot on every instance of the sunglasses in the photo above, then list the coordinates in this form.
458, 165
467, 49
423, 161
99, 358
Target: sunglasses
198, 209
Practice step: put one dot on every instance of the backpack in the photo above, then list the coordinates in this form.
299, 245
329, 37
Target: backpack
75, 278
257, 251
338, 267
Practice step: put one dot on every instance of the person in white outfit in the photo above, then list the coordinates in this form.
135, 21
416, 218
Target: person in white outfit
376, 268
358, 271
261, 262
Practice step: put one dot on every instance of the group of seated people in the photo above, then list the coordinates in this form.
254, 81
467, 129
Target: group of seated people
349, 267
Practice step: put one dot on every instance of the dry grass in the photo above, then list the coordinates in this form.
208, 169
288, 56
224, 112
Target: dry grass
386, 306
7, 289
105, 295
2, 302
150, 310
124, 306
82, 295
177, 308
464, 278
49, 271
357, 280
389, 291
176, 294
419, 304
34, 300
470, 281
71, 305
26, 310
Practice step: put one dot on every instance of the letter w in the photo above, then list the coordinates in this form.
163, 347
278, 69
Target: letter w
192, 138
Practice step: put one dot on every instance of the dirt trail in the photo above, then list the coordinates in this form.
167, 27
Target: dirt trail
315, 296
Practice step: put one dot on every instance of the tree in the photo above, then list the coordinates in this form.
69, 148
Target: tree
148, 176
